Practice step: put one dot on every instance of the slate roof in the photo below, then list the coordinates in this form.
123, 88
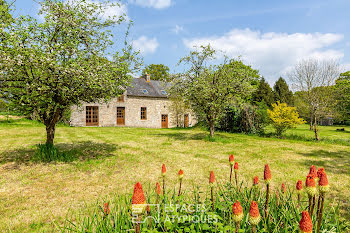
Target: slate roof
154, 88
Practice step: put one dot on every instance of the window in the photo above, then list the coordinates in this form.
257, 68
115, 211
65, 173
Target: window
121, 98
144, 91
163, 92
143, 113
91, 115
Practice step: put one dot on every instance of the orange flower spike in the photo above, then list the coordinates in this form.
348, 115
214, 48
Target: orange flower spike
231, 160
211, 178
106, 209
256, 181
158, 189
310, 186
181, 174
313, 171
305, 224
138, 199
299, 186
254, 215
323, 183
163, 170
267, 174
237, 211
320, 171
236, 167
283, 188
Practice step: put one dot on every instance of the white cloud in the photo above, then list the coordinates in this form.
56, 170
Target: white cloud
177, 29
273, 54
146, 45
158, 4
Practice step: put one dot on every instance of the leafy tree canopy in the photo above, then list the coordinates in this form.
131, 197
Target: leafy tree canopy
264, 93
284, 117
210, 88
157, 71
342, 95
48, 67
282, 92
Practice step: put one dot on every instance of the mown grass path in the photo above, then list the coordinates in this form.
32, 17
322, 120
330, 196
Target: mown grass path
111, 160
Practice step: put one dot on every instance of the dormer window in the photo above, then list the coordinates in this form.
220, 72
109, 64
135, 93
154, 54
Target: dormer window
144, 91
163, 92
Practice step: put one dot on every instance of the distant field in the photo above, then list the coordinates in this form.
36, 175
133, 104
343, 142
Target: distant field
34, 196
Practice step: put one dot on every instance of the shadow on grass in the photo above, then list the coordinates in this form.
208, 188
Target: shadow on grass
84, 150
183, 136
337, 162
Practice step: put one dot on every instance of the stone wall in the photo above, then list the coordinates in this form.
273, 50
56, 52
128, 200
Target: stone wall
108, 112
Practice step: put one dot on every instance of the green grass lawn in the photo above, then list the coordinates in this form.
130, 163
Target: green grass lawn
35, 196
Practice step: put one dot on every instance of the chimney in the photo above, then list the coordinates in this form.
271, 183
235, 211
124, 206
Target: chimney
147, 77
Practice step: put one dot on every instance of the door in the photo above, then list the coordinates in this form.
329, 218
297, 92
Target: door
91, 116
164, 121
186, 120
120, 115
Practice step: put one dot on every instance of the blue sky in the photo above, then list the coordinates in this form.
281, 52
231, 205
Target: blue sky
270, 35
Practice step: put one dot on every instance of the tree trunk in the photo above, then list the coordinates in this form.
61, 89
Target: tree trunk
316, 129
50, 133
311, 121
211, 125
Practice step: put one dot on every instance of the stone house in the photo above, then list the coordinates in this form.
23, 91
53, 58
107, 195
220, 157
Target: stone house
144, 104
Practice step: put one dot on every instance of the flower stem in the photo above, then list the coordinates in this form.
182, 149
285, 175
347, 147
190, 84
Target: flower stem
313, 205
212, 197
322, 196
163, 185
254, 228
236, 178
267, 199
180, 188
237, 227
231, 174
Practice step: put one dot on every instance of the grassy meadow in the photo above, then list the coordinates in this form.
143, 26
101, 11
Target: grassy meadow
35, 197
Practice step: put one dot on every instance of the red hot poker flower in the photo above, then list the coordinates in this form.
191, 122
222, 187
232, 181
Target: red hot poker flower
236, 167
106, 209
313, 171
267, 173
138, 197
283, 188
310, 181
211, 178
305, 224
181, 174
231, 160
320, 171
254, 215
163, 170
299, 185
237, 211
310, 186
158, 189
323, 183
255, 180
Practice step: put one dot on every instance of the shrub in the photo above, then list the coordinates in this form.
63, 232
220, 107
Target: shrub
48, 153
284, 117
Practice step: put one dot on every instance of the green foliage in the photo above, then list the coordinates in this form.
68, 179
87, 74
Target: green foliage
284, 214
246, 118
342, 95
48, 67
264, 93
48, 153
282, 92
157, 71
284, 117
209, 89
